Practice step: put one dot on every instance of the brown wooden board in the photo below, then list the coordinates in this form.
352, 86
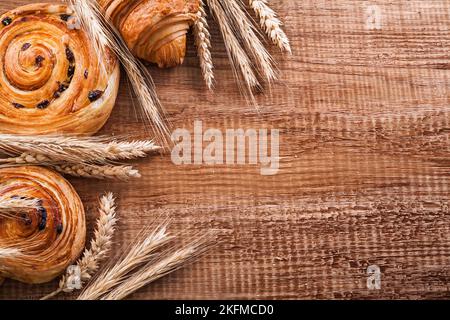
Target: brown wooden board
363, 111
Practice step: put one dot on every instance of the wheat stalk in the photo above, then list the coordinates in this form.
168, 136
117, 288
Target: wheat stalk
203, 43
120, 172
103, 36
139, 253
160, 268
240, 62
94, 171
271, 24
9, 252
17, 204
68, 149
88, 157
10, 207
100, 247
247, 33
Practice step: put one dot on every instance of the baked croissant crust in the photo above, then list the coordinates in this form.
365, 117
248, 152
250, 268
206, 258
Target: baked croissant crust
154, 30
50, 238
50, 78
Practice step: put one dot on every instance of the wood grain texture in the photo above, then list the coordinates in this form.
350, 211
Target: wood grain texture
364, 119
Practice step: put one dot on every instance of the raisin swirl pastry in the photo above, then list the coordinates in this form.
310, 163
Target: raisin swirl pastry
50, 78
49, 238
154, 30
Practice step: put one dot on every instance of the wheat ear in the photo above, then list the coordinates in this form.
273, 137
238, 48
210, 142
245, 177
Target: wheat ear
100, 248
55, 149
141, 252
119, 172
27, 158
10, 207
160, 268
271, 24
103, 36
248, 34
126, 150
240, 62
9, 252
203, 43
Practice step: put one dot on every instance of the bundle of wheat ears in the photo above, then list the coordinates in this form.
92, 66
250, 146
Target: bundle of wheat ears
89, 157
149, 258
249, 58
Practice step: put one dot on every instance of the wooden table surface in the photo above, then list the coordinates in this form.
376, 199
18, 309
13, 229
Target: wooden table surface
363, 112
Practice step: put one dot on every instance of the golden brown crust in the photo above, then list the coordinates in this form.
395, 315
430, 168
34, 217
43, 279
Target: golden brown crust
49, 239
48, 73
154, 30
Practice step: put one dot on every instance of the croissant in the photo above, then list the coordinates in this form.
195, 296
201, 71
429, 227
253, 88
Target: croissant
154, 30
49, 238
50, 78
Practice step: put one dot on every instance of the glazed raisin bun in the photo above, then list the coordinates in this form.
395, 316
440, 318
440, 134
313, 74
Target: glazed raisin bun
154, 30
46, 239
50, 78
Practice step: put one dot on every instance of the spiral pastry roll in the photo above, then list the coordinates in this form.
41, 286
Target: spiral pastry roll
48, 238
154, 30
50, 78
